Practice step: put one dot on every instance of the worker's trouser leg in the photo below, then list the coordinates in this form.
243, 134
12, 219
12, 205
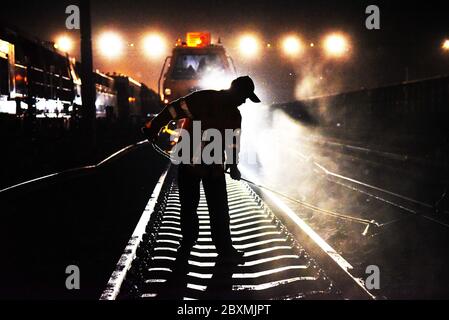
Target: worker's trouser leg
189, 196
214, 184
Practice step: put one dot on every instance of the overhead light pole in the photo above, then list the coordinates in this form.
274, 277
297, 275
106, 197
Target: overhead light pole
87, 87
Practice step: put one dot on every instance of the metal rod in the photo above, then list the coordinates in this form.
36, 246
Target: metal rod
302, 203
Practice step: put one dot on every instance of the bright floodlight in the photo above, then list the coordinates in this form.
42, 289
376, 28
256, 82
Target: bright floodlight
249, 45
64, 43
336, 45
110, 45
292, 46
154, 45
446, 45
216, 80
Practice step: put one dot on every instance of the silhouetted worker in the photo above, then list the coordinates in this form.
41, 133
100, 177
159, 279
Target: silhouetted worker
215, 110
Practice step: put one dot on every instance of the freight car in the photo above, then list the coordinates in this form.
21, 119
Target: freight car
37, 79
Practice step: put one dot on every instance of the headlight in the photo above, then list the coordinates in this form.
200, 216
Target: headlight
167, 91
216, 80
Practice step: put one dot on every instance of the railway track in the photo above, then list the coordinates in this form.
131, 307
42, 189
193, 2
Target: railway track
277, 265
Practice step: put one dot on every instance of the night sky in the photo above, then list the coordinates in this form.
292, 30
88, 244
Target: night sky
409, 40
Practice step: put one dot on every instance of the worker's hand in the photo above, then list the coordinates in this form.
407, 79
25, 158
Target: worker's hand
234, 172
149, 132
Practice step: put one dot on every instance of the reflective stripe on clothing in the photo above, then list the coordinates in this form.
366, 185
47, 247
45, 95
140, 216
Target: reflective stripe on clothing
172, 111
185, 108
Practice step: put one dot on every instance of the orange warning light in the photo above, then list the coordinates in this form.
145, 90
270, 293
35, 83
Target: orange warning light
198, 39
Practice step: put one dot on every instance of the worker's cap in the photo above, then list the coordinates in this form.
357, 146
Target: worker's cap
245, 87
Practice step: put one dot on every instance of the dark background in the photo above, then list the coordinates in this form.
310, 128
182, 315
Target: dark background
409, 41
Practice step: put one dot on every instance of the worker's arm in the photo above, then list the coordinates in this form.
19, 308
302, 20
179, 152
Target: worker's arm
233, 147
232, 150
173, 111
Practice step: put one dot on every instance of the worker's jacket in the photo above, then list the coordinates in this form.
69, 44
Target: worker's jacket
214, 111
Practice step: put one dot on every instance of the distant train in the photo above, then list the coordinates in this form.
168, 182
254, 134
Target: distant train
33, 73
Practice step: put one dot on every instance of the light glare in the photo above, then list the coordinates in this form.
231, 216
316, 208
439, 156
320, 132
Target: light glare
292, 46
216, 80
249, 45
446, 45
64, 43
154, 45
111, 45
336, 45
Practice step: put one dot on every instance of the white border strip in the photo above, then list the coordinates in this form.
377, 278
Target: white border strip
124, 263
